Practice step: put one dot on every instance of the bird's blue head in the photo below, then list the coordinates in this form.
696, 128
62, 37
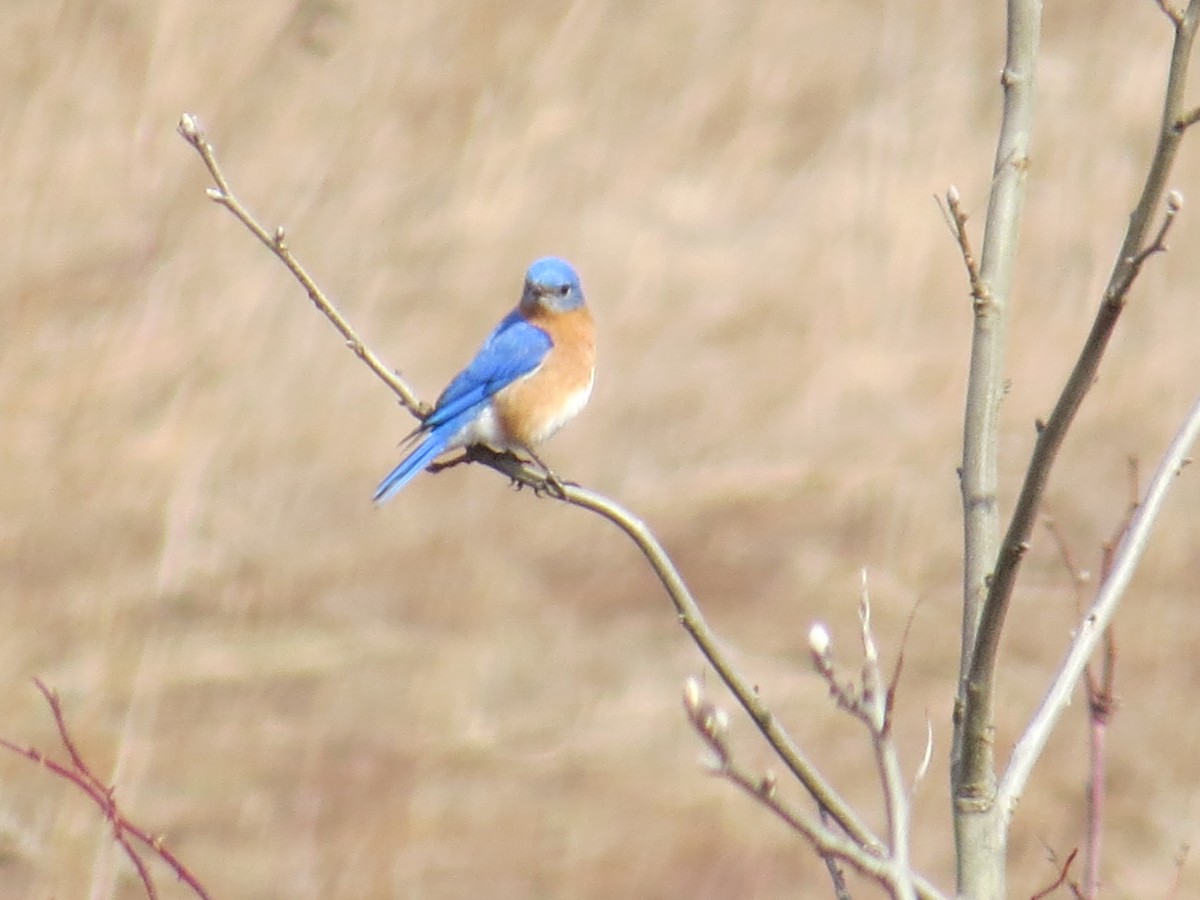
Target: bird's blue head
551, 283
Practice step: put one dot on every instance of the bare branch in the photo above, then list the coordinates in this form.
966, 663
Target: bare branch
977, 834
1099, 689
1134, 252
1050, 439
897, 670
837, 877
1102, 704
973, 763
1079, 577
68, 742
1097, 783
1180, 860
1093, 625
1060, 881
1187, 120
80, 774
877, 697
1157, 244
190, 129
712, 724
956, 218
743, 689
871, 703
845, 693
1171, 12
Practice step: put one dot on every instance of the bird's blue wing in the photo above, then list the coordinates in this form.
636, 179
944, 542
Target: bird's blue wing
412, 465
512, 351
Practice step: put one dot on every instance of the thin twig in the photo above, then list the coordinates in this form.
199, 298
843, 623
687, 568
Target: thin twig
877, 698
68, 742
1187, 120
837, 878
1097, 785
1079, 578
1051, 435
956, 218
974, 760
1100, 705
1060, 881
1180, 861
824, 841
743, 689
276, 242
1171, 12
1134, 252
1157, 244
712, 724
1092, 626
871, 702
80, 774
897, 670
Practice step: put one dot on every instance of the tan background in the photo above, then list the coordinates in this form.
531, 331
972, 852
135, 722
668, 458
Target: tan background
471, 693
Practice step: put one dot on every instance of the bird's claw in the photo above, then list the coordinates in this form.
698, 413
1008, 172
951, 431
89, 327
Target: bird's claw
551, 486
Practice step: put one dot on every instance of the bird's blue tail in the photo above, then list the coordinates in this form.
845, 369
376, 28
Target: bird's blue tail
413, 464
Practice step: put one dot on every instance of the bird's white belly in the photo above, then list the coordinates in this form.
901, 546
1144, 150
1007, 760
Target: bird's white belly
565, 413
483, 429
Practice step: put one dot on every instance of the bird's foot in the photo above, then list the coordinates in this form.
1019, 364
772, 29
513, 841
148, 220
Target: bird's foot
522, 472
551, 486
435, 467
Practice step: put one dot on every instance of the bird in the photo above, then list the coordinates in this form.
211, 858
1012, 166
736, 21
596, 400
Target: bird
533, 374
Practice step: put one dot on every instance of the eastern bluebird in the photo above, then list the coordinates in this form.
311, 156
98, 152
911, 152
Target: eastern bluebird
530, 377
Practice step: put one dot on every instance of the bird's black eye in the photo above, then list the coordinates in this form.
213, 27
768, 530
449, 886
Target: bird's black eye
564, 289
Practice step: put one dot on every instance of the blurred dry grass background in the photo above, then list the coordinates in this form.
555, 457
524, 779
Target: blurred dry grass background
471, 693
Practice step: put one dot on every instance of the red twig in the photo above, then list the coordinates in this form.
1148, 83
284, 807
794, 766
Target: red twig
82, 776
1100, 694
1102, 703
1180, 859
1060, 881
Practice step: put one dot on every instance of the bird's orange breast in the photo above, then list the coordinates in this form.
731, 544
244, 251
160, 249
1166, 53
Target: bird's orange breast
531, 409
